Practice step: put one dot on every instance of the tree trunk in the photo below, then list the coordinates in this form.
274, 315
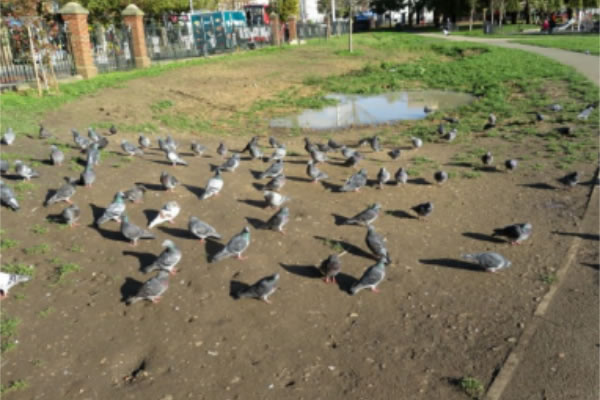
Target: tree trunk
527, 13
492, 11
471, 18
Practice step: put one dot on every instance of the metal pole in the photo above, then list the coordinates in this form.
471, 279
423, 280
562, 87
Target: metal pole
332, 10
191, 6
350, 28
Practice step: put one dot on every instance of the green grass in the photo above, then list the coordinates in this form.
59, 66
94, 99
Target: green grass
76, 249
548, 279
42, 248
63, 270
471, 386
46, 312
39, 229
578, 43
23, 187
161, 105
471, 174
508, 30
19, 269
6, 244
14, 386
8, 329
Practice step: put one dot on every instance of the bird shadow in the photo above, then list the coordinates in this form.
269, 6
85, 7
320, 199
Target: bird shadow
163, 162
483, 237
486, 168
213, 167
55, 218
150, 215
489, 126
345, 282
254, 203
593, 266
44, 161
198, 191
419, 181
332, 186
130, 288
459, 164
236, 287
50, 193
306, 271
451, 263
255, 223
258, 186
255, 173
96, 211
117, 236
298, 179
143, 258
295, 161
151, 186
539, 185
587, 236
400, 214
340, 219
349, 247
176, 232
212, 247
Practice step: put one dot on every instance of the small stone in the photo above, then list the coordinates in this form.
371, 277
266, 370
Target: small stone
235, 379
199, 343
331, 368
353, 315
167, 397
103, 360
369, 360
511, 339
520, 325
561, 355
213, 353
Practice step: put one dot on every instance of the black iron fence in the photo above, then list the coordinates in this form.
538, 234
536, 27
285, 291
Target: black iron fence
112, 48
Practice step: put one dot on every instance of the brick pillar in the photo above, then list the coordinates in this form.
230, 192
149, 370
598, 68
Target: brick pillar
133, 17
275, 29
292, 30
75, 17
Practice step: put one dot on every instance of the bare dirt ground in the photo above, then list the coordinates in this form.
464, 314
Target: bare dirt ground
435, 320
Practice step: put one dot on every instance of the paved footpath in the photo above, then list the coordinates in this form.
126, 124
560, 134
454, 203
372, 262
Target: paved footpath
588, 65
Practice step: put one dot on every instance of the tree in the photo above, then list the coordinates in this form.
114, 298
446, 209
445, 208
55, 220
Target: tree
472, 5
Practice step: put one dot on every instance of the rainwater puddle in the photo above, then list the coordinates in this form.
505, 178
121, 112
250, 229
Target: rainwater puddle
356, 110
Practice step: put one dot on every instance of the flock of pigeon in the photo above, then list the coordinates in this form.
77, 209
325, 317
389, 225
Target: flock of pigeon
166, 262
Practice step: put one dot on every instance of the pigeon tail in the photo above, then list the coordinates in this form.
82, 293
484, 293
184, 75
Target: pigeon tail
132, 300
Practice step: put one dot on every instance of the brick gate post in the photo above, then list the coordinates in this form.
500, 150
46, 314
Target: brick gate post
275, 29
133, 17
76, 18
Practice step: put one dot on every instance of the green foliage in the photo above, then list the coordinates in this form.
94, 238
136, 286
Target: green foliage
8, 328
579, 43
39, 229
285, 9
63, 270
8, 243
471, 386
19, 269
42, 248
13, 386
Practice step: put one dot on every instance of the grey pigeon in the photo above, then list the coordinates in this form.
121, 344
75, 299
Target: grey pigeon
315, 173
355, 182
7, 281
44, 133
174, 158
261, 289
440, 177
487, 158
94, 137
273, 142
167, 260
539, 117
354, 159
347, 152
276, 183
255, 152
570, 180
4, 166
333, 144
56, 155
136, 194
235, 247
452, 120
144, 142
371, 278
441, 129
318, 156
222, 149
171, 144
511, 165
566, 131
130, 149
427, 109
152, 289
197, 148
423, 209
80, 141
7, 197
114, 211
394, 154
323, 147
585, 114
252, 143
64, 193
71, 214
401, 176
555, 107
88, 176
279, 153
365, 217
167, 213
279, 220
25, 171
93, 154
169, 182
163, 145
451, 135
491, 120
133, 232
274, 199
201, 229
489, 261
231, 164
376, 243
112, 130
383, 176
516, 233
274, 169
308, 146
416, 142
213, 187
102, 143
9, 137
375, 143
330, 267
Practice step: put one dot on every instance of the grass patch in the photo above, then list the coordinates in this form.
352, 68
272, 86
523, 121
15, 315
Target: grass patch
42, 248
46, 312
8, 329
14, 386
578, 43
19, 269
346, 53
548, 279
39, 229
76, 249
471, 386
333, 244
6, 244
471, 174
23, 187
161, 105
63, 270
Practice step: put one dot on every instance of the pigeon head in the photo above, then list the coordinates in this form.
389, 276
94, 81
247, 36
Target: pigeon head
285, 211
168, 243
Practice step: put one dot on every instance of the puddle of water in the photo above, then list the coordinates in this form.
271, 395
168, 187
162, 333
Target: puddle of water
355, 110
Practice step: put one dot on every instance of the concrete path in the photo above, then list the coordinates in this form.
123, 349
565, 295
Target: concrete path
588, 65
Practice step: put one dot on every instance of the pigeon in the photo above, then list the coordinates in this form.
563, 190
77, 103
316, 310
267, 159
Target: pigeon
44, 133
253, 142
56, 155
213, 187
401, 176
511, 165
487, 158
136, 194
9, 137
261, 289
566, 131
423, 209
88, 176
197, 148
7, 197
144, 142
354, 159
570, 180
222, 149
555, 107
323, 147
152, 289
427, 109
274, 199
491, 120
231, 164
308, 146
4, 166
112, 130
25, 171
274, 169
130, 149
330, 267
441, 129
364, 141
133, 232
93, 154
64, 193
416, 142
347, 152
278, 154
517, 233
440, 177
235, 247
372, 277
170, 143
71, 214
167, 213
82, 142
102, 143
7, 281
375, 243
163, 145
585, 114
539, 117
375, 143
276, 183
318, 156
489, 261
202, 230
274, 143
365, 217
94, 137
315, 173
279, 220
174, 158
394, 154
451, 120
114, 211
451, 135
169, 182
383, 176
167, 260
355, 182
333, 144
255, 152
